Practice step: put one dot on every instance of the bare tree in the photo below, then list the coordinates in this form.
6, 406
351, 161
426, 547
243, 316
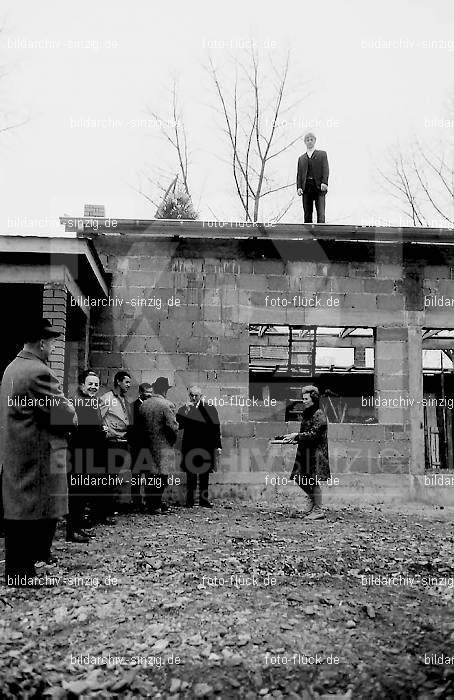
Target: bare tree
8, 120
172, 129
421, 178
253, 113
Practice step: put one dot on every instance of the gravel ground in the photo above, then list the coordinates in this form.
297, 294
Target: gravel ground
242, 601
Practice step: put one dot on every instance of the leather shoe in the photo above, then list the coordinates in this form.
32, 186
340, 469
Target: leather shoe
78, 538
84, 533
205, 504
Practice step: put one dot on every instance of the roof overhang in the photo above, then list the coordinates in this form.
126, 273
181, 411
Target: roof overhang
92, 227
77, 256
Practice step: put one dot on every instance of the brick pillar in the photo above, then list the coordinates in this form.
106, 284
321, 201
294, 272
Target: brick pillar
54, 308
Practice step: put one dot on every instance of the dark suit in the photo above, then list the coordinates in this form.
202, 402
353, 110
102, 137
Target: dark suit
309, 178
88, 448
201, 438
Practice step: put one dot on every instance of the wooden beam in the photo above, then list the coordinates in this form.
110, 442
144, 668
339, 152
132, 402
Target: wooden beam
346, 331
429, 334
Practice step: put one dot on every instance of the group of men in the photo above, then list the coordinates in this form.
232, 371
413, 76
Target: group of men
89, 457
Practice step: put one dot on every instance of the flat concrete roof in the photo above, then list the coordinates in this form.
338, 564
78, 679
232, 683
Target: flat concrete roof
228, 230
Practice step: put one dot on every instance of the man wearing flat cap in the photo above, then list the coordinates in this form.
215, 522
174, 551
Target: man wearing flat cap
35, 418
158, 425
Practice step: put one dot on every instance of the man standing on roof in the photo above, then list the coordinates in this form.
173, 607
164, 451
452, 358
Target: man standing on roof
312, 180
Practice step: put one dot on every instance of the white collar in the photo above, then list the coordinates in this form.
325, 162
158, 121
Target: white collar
310, 153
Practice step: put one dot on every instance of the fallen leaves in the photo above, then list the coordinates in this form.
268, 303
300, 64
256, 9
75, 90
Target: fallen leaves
220, 634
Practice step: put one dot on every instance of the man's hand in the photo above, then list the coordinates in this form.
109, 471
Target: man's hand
291, 437
323, 187
299, 191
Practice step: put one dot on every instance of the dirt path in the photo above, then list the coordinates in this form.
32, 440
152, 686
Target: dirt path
240, 602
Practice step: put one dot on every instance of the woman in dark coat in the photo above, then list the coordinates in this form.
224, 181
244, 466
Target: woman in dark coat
312, 461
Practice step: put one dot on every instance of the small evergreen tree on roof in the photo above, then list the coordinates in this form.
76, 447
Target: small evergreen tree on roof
176, 204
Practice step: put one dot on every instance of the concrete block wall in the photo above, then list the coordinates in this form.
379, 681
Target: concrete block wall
222, 287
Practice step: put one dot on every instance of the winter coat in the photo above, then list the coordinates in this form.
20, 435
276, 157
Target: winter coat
201, 437
312, 453
33, 447
158, 425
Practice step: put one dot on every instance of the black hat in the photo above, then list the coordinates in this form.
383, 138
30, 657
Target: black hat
40, 329
160, 384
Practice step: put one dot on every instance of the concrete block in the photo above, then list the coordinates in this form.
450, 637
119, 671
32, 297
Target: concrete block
437, 272
379, 286
269, 429
361, 269
176, 328
277, 283
393, 333
185, 312
340, 432
268, 267
172, 362
211, 313
252, 282
394, 381
392, 271
102, 359
193, 345
360, 301
374, 432
345, 285
301, 268
388, 366
130, 343
238, 430
137, 361
204, 361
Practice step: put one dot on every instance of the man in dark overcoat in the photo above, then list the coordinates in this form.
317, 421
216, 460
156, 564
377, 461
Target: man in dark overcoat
159, 426
35, 418
201, 445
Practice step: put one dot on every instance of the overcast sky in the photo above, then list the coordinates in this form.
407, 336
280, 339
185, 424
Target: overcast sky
108, 60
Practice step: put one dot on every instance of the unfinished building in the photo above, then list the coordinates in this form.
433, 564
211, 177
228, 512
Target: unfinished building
253, 313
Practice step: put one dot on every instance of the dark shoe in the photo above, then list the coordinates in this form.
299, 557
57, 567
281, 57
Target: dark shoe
77, 537
189, 504
84, 533
205, 504
164, 508
152, 510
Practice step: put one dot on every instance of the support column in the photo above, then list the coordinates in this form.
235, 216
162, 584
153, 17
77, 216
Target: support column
359, 357
415, 380
54, 308
391, 375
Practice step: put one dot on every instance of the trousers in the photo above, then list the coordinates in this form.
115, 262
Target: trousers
191, 487
311, 195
